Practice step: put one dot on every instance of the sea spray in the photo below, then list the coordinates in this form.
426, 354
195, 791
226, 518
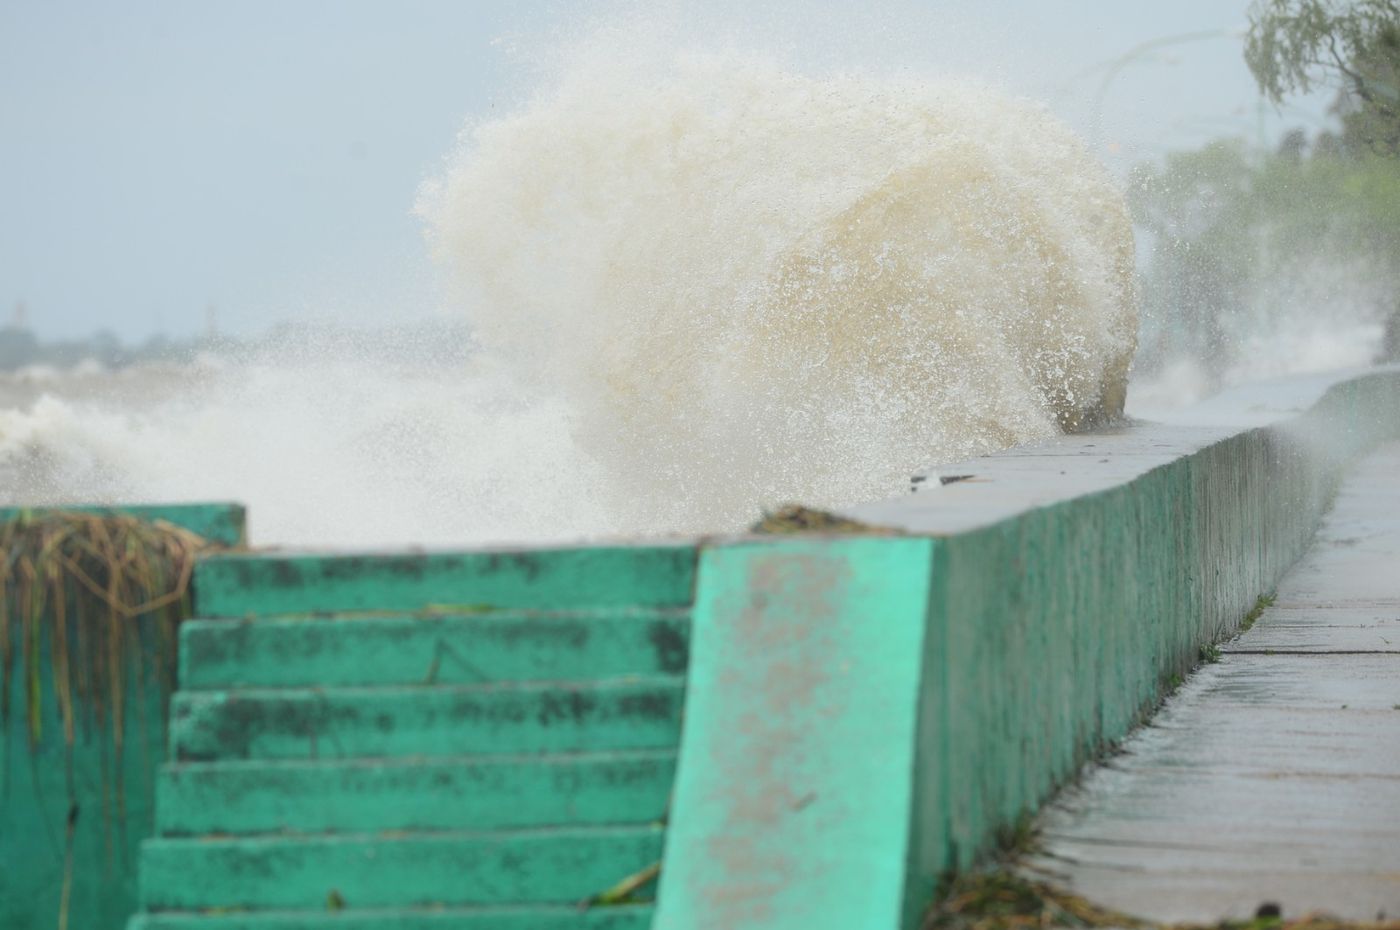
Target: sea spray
754, 285
334, 441
699, 285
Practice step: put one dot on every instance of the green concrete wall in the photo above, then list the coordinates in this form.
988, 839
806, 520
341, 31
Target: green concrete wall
797, 760
846, 715
813, 729
221, 522
35, 802
37, 797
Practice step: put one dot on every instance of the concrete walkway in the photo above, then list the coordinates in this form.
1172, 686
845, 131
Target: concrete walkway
1273, 775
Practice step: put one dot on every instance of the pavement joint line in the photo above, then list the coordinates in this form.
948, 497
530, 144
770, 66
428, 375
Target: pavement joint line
1309, 652
1313, 709
1261, 774
1329, 605
1134, 844
1383, 604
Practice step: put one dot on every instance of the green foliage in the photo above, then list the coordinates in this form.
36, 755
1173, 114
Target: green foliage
1264, 602
1243, 240
1299, 45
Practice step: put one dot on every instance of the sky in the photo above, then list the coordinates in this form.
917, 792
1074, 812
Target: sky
165, 164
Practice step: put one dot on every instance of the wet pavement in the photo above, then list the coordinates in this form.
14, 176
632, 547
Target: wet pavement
1272, 775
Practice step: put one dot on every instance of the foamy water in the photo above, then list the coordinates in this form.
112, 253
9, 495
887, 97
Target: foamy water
702, 284
1318, 314
757, 286
335, 445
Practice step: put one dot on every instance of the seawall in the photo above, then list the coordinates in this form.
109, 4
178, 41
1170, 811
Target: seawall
838, 719
79, 811
867, 714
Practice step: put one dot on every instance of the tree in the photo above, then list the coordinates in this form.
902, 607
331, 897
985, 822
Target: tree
1299, 45
1187, 208
1255, 255
18, 348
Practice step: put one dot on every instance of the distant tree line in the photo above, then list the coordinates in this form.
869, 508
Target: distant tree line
1244, 242
429, 340
20, 347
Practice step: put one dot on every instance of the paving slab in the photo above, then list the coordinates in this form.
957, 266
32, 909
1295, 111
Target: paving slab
1373, 629
1274, 774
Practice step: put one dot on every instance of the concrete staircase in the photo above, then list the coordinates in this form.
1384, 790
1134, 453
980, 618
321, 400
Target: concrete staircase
445, 741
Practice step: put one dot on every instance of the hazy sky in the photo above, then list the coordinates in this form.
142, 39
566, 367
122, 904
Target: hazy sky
159, 158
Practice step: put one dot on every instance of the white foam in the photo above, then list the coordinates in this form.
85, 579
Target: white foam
704, 284
757, 286
337, 448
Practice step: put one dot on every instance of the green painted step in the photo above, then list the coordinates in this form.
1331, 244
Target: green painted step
434, 648
425, 721
560, 866
629, 917
534, 579
450, 740
484, 793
